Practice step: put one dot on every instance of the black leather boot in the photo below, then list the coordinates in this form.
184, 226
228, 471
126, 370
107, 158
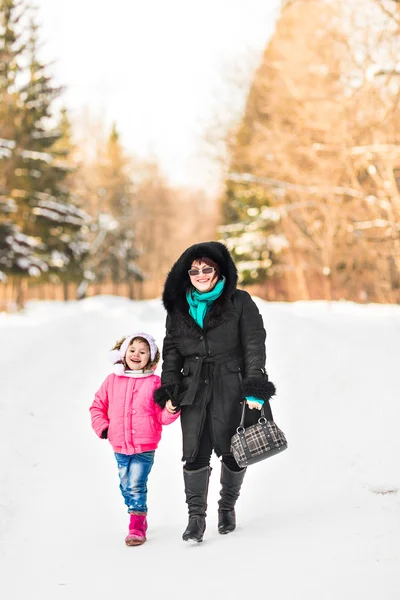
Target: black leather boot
231, 482
196, 490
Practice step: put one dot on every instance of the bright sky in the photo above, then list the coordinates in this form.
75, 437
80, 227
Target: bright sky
157, 67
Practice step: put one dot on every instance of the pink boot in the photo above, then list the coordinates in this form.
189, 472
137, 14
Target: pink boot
137, 529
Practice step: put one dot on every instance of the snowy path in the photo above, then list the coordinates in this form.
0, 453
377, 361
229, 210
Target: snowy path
315, 522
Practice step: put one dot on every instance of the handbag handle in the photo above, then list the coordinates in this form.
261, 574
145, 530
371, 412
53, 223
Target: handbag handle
241, 424
263, 418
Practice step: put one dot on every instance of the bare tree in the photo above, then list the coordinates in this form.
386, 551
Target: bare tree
320, 134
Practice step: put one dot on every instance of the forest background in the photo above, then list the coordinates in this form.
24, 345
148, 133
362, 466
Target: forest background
308, 170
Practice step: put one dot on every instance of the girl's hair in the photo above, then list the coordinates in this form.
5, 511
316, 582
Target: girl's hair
151, 363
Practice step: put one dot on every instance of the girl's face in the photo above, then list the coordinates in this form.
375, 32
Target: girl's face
203, 282
138, 355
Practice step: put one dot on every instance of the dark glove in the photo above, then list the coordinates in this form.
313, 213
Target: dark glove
104, 434
166, 392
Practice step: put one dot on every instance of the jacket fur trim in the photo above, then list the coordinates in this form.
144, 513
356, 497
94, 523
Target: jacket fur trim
177, 282
259, 388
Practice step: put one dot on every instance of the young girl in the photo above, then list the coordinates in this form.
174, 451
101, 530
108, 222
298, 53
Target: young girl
124, 411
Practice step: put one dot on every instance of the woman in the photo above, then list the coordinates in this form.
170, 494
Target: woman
213, 357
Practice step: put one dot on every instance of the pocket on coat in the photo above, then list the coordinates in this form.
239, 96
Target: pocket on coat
233, 366
156, 426
185, 370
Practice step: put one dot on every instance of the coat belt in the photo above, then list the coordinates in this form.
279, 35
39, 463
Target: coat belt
200, 361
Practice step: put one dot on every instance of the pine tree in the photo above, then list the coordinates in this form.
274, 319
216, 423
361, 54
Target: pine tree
76, 238
11, 55
18, 252
250, 230
52, 214
37, 156
113, 253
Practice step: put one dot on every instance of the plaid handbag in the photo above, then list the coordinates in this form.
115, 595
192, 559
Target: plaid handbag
257, 442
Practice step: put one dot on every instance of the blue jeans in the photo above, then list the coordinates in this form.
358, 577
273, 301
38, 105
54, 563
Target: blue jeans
133, 471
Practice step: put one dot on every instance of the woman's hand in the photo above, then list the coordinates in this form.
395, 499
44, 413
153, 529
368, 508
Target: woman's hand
170, 407
254, 404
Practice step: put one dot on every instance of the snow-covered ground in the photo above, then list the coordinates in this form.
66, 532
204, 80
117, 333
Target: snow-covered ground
319, 522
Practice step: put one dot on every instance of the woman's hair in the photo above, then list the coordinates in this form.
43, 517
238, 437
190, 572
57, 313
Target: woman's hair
151, 363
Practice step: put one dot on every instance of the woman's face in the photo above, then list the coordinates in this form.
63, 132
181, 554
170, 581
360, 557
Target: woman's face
203, 282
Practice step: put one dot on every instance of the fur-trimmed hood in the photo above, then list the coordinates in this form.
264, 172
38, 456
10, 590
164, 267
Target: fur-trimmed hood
177, 281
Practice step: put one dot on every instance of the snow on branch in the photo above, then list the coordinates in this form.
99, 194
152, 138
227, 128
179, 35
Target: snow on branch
358, 150
133, 269
7, 205
49, 207
375, 148
6, 148
253, 265
285, 185
17, 251
7, 143
19, 241
63, 166
31, 155
5, 152
79, 248
374, 223
58, 259
250, 242
38, 135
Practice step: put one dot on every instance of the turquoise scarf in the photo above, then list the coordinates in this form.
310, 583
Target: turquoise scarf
200, 302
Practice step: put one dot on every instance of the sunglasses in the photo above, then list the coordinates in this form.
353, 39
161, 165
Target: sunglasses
205, 271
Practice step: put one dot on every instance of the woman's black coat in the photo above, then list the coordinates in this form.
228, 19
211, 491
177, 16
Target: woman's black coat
207, 372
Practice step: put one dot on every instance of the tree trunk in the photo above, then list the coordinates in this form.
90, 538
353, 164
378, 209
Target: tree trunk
19, 293
131, 290
65, 290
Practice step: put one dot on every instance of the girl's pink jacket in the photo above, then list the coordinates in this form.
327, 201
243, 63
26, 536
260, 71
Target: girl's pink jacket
126, 406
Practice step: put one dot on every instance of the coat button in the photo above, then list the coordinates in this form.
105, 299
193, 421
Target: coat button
202, 337
133, 430
206, 381
196, 357
134, 412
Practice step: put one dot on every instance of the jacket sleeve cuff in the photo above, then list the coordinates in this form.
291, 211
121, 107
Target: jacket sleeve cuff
261, 389
168, 391
254, 399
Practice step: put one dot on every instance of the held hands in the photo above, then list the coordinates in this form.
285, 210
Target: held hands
170, 407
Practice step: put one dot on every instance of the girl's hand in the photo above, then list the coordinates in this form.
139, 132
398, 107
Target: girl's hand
170, 407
